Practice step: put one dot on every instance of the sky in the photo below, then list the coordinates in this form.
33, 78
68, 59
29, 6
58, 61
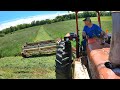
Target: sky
13, 18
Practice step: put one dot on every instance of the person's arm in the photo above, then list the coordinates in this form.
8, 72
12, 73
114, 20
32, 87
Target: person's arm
102, 33
98, 28
98, 31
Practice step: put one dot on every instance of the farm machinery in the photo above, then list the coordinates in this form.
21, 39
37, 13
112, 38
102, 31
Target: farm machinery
99, 61
47, 47
95, 63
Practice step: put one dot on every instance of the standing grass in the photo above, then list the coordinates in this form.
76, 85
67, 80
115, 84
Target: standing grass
10, 44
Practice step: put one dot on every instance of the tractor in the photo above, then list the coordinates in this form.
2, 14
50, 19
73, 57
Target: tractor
69, 60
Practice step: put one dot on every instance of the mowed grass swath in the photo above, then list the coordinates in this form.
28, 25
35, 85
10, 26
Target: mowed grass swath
12, 65
27, 68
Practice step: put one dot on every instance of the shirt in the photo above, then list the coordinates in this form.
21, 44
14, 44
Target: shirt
95, 30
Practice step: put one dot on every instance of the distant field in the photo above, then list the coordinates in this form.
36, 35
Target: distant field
12, 65
103, 18
59, 29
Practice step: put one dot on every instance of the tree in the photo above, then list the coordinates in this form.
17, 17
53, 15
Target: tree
72, 16
33, 23
37, 22
48, 21
42, 22
86, 14
54, 20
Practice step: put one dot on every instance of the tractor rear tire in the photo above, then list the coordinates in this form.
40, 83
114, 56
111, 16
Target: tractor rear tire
63, 60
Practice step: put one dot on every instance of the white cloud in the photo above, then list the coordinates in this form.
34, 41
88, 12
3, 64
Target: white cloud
29, 20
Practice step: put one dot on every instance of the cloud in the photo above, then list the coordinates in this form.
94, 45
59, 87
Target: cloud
29, 20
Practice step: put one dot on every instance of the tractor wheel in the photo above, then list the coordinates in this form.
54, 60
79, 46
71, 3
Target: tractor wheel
63, 60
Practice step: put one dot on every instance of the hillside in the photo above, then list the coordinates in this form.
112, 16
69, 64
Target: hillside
11, 43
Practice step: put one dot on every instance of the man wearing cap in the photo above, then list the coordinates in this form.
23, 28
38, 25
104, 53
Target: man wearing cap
90, 30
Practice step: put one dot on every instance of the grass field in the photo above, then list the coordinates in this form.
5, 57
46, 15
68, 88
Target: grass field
10, 44
28, 68
14, 66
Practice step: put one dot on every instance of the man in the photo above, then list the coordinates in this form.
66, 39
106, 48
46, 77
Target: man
90, 30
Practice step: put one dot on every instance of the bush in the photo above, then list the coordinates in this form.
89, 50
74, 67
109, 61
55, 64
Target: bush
2, 35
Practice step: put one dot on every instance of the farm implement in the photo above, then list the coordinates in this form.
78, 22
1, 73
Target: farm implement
39, 48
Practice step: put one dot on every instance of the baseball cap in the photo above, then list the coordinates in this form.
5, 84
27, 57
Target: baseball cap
87, 19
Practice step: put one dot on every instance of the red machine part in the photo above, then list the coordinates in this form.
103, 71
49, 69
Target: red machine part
98, 13
98, 55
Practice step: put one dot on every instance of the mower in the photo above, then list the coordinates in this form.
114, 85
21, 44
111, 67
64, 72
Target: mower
47, 47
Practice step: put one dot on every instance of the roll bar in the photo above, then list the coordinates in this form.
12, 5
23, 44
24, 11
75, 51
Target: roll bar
77, 32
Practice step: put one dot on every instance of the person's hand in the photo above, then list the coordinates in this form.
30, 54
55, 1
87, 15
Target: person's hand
83, 34
103, 33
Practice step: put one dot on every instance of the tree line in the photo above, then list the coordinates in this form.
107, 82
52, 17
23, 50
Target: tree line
49, 21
